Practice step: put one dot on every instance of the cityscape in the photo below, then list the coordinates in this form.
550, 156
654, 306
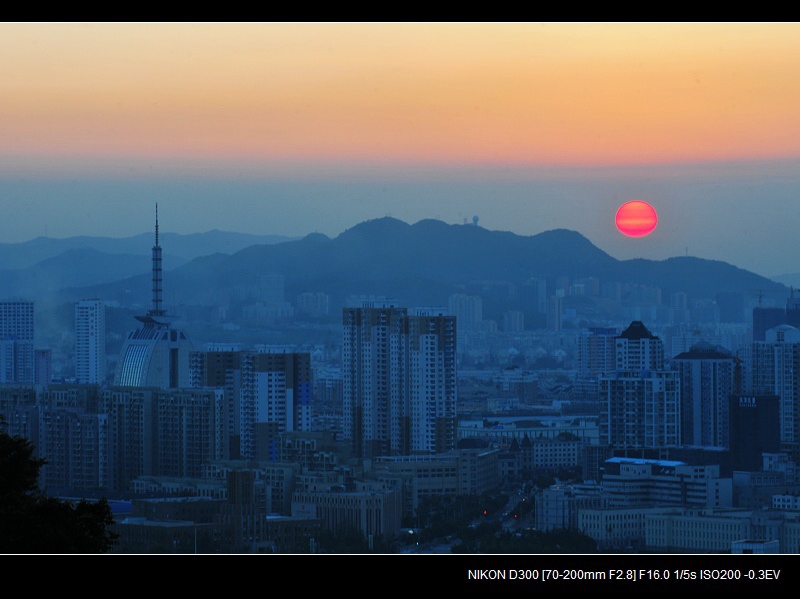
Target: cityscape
637, 419
519, 301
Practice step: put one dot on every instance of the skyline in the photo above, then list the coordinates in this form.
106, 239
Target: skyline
292, 128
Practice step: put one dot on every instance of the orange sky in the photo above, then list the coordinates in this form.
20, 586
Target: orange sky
496, 93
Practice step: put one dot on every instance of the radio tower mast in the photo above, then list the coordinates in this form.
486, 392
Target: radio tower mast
157, 310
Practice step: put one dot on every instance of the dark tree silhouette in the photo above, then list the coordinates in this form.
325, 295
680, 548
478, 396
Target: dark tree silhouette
31, 522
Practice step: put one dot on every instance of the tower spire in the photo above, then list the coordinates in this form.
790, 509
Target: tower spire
157, 310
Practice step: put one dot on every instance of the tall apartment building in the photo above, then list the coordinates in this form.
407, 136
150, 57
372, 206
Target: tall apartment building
268, 392
754, 429
74, 445
399, 380
774, 369
640, 400
275, 397
90, 341
72, 437
42, 366
709, 375
793, 310
596, 356
597, 352
190, 431
765, 318
637, 349
221, 368
468, 310
433, 377
16, 342
162, 432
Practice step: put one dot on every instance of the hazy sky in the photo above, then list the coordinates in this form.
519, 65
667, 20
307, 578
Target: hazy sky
289, 128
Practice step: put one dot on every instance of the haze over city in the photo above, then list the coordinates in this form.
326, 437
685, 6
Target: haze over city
404, 288
292, 128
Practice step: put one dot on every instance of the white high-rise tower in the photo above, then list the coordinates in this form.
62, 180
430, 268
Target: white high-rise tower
640, 400
90, 341
399, 380
774, 369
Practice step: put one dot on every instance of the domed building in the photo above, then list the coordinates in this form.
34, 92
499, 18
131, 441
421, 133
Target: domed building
156, 354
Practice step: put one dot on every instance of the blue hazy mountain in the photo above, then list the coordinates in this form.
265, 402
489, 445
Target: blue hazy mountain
181, 248
426, 261
41, 267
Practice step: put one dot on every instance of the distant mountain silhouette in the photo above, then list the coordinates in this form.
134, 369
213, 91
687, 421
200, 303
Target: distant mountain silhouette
423, 263
182, 247
71, 268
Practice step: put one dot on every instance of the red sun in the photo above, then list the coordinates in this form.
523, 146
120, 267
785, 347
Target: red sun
636, 218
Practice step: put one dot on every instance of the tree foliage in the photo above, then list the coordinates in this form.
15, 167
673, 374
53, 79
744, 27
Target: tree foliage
31, 522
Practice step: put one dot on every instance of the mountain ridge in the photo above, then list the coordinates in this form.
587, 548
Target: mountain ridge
387, 256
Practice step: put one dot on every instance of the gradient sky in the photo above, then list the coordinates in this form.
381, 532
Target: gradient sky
289, 128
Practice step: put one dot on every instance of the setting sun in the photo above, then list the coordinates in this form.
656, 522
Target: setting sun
636, 218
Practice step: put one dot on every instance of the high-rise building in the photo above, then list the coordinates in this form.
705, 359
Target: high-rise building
275, 397
42, 366
596, 356
156, 354
555, 309
432, 373
774, 369
514, 321
596, 352
754, 430
375, 379
468, 310
637, 349
162, 432
90, 341
190, 431
534, 296
765, 318
221, 368
640, 400
709, 375
268, 392
399, 380
16, 342
793, 310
